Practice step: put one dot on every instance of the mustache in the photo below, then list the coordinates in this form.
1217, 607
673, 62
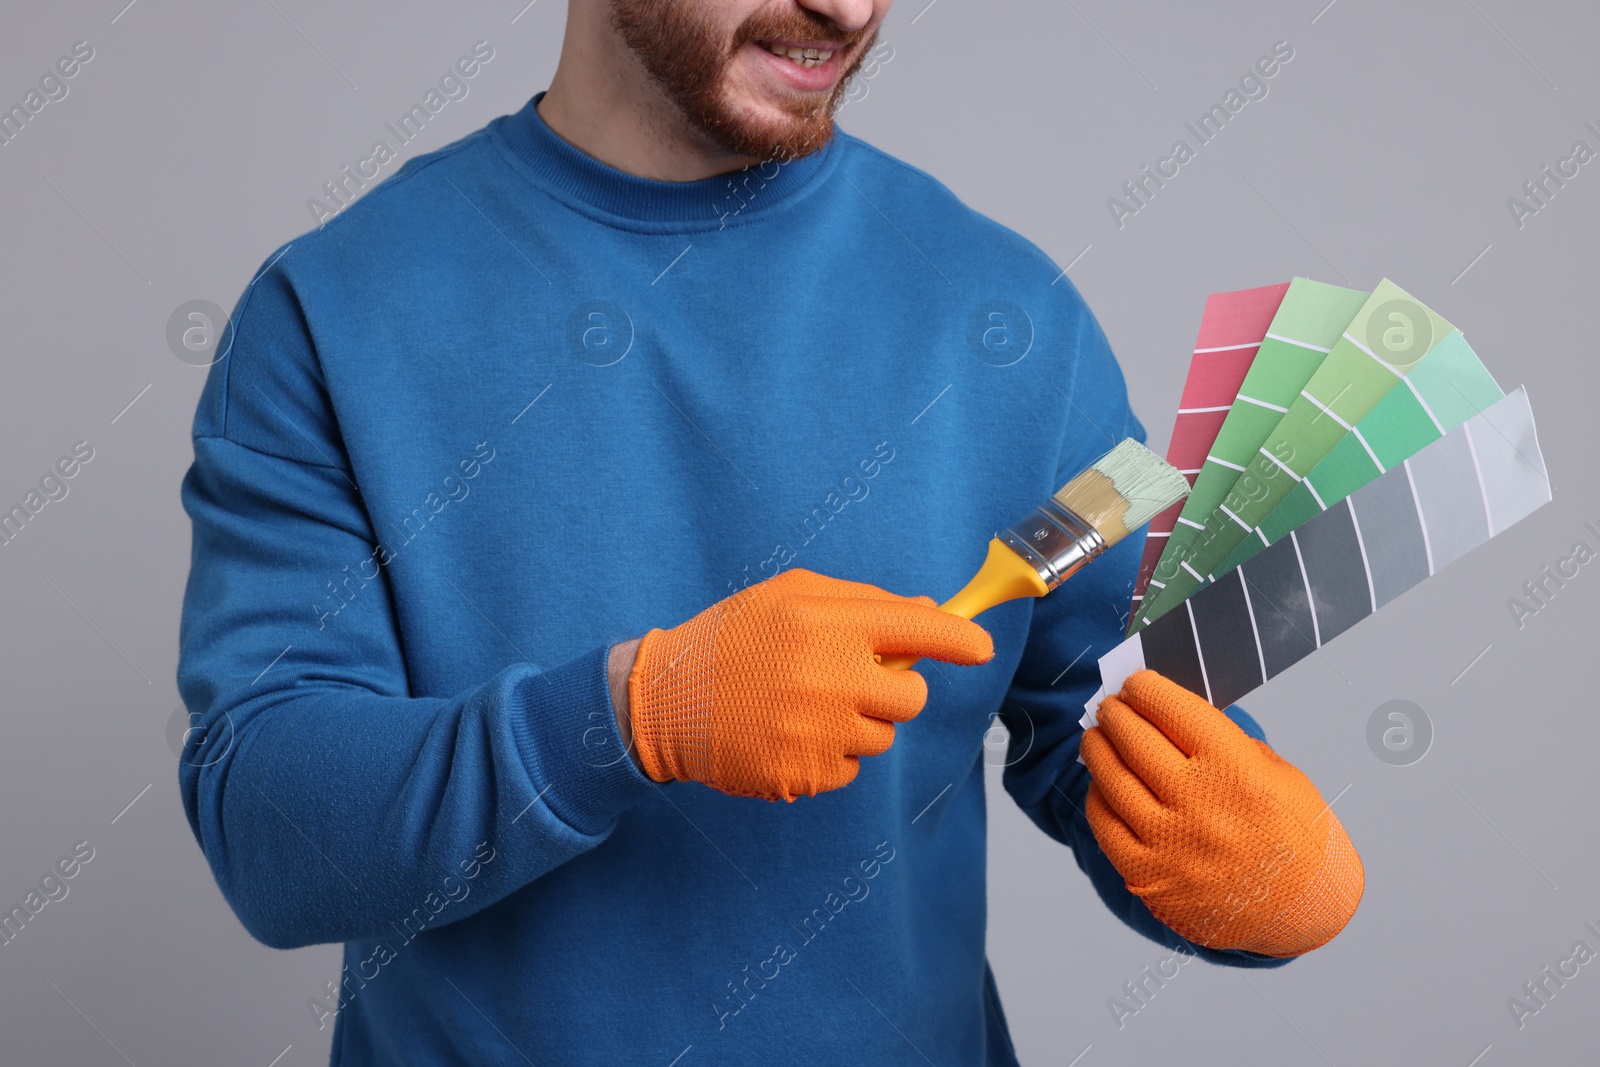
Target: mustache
795, 25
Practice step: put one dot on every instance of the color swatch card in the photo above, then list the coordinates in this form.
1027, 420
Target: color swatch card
1393, 532
1231, 328
1447, 387
1310, 319
1390, 334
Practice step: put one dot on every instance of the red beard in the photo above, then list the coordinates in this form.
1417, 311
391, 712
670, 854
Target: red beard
686, 56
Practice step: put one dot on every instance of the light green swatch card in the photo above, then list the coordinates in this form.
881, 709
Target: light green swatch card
1449, 386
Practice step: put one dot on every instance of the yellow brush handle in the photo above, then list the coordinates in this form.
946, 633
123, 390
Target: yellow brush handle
1004, 576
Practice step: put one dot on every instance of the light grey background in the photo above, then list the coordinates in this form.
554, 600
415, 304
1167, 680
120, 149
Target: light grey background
187, 148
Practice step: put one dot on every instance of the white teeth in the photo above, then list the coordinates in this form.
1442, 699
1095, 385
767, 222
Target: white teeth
805, 57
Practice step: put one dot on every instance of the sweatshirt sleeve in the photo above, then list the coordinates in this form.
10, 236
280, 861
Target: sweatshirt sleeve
1071, 629
330, 803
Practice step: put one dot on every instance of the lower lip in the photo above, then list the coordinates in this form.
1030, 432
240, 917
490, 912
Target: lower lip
805, 79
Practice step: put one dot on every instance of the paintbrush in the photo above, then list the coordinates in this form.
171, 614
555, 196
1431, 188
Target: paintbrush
1117, 494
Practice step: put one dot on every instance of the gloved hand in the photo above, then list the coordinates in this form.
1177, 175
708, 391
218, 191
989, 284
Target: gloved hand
1224, 840
777, 690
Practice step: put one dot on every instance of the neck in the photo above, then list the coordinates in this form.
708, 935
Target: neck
603, 102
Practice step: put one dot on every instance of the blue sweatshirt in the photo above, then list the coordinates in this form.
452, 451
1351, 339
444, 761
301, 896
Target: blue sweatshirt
514, 406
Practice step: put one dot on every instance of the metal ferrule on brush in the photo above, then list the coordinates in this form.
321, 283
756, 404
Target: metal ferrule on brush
1055, 540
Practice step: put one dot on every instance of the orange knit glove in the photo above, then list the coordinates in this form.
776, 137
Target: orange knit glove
776, 691
1225, 841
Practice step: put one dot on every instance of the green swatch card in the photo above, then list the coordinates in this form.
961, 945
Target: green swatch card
1303, 330
1387, 337
1449, 386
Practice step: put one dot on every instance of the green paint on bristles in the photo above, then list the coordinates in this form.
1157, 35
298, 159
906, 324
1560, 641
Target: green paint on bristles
1123, 490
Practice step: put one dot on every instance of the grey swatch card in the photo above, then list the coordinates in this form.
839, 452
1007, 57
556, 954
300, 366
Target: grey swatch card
1344, 564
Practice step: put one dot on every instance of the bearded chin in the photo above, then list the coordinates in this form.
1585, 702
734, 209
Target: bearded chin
799, 132
679, 54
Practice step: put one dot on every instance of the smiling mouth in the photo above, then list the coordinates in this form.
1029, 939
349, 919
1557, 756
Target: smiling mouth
800, 55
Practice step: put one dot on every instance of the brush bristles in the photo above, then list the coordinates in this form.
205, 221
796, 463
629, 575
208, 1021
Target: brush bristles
1123, 490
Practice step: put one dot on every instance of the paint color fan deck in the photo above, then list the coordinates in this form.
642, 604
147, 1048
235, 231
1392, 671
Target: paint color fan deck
1363, 448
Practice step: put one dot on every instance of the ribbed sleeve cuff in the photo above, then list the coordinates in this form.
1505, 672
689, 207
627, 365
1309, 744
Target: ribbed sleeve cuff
566, 729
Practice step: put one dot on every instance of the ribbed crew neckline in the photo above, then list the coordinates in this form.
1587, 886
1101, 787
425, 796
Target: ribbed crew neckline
570, 174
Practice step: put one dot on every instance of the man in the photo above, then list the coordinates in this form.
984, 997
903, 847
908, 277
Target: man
546, 509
